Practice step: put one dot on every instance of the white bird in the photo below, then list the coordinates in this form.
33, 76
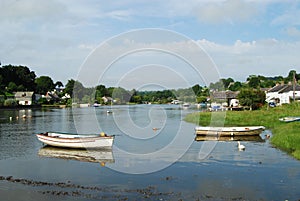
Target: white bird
240, 146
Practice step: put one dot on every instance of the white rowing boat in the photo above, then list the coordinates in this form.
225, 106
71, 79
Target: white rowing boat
78, 141
229, 131
289, 119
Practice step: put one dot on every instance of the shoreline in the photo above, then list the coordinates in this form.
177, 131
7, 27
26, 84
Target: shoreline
286, 136
20, 107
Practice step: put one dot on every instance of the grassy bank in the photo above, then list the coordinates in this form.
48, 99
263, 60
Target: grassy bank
286, 136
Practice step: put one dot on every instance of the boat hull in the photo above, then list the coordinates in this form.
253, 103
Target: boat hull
289, 119
229, 131
78, 142
254, 138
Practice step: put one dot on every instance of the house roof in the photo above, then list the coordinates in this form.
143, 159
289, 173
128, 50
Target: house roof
284, 88
278, 88
225, 94
24, 94
290, 88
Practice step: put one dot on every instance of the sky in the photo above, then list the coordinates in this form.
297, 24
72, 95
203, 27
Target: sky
59, 38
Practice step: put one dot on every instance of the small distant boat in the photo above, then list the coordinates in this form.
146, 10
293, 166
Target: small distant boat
96, 105
229, 131
254, 138
185, 105
77, 141
289, 119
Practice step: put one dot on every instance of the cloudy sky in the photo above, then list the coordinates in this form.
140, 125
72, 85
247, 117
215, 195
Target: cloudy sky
242, 37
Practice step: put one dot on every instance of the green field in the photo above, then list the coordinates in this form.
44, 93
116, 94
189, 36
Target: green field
286, 136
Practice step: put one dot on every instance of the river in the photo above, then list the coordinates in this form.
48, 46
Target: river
154, 157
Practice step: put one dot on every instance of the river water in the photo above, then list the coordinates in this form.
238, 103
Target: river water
154, 157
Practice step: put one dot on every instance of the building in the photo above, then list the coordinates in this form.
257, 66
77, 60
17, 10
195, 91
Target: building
24, 97
283, 94
227, 97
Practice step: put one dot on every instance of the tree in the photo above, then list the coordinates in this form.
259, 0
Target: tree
197, 89
20, 75
253, 81
236, 86
100, 91
69, 87
78, 91
58, 84
218, 86
12, 87
227, 82
121, 94
201, 99
44, 84
251, 98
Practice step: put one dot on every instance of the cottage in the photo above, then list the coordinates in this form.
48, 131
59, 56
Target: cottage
283, 94
225, 96
107, 99
24, 97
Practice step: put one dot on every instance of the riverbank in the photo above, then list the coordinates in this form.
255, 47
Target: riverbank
286, 136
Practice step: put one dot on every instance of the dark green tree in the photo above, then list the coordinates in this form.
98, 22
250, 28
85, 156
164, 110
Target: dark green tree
197, 89
69, 87
236, 86
20, 75
253, 81
59, 84
251, 98
12, 87
101, 91
44, 84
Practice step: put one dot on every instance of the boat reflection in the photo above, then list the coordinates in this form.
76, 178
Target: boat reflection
94, 156
255, 138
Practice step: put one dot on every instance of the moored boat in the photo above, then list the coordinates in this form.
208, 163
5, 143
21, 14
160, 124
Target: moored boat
229, 131
289, 119
254, 138
78, 141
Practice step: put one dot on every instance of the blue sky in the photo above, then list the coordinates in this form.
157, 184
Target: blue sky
242, 37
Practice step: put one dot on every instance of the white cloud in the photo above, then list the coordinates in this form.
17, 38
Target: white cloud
226, 11
89, 47
50, 35
30, 9
267, 57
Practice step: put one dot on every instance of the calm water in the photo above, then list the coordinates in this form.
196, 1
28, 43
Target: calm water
164, 163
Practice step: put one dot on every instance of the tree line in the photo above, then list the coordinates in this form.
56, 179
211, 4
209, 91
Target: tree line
21, 78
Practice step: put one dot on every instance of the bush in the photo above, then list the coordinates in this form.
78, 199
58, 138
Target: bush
10, 103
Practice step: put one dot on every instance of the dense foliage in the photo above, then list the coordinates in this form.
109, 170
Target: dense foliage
20, 78
16, 78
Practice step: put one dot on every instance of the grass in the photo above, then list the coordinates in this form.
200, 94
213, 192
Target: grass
286, 136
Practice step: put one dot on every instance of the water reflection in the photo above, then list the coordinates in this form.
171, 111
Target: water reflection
228, 138
94, 156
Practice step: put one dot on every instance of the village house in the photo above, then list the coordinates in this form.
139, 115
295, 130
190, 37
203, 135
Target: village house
24, 97
283, 94
228, 98
108, 99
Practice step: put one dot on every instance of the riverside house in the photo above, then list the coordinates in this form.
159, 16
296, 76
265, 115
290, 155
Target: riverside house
227, 98
24, 97
283, 94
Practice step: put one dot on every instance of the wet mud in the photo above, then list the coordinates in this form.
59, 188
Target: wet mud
69, 189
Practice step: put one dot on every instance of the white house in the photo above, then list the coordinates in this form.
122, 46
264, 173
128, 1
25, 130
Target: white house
24, 97
283, 94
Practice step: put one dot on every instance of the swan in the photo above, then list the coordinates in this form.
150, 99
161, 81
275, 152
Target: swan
240, 146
